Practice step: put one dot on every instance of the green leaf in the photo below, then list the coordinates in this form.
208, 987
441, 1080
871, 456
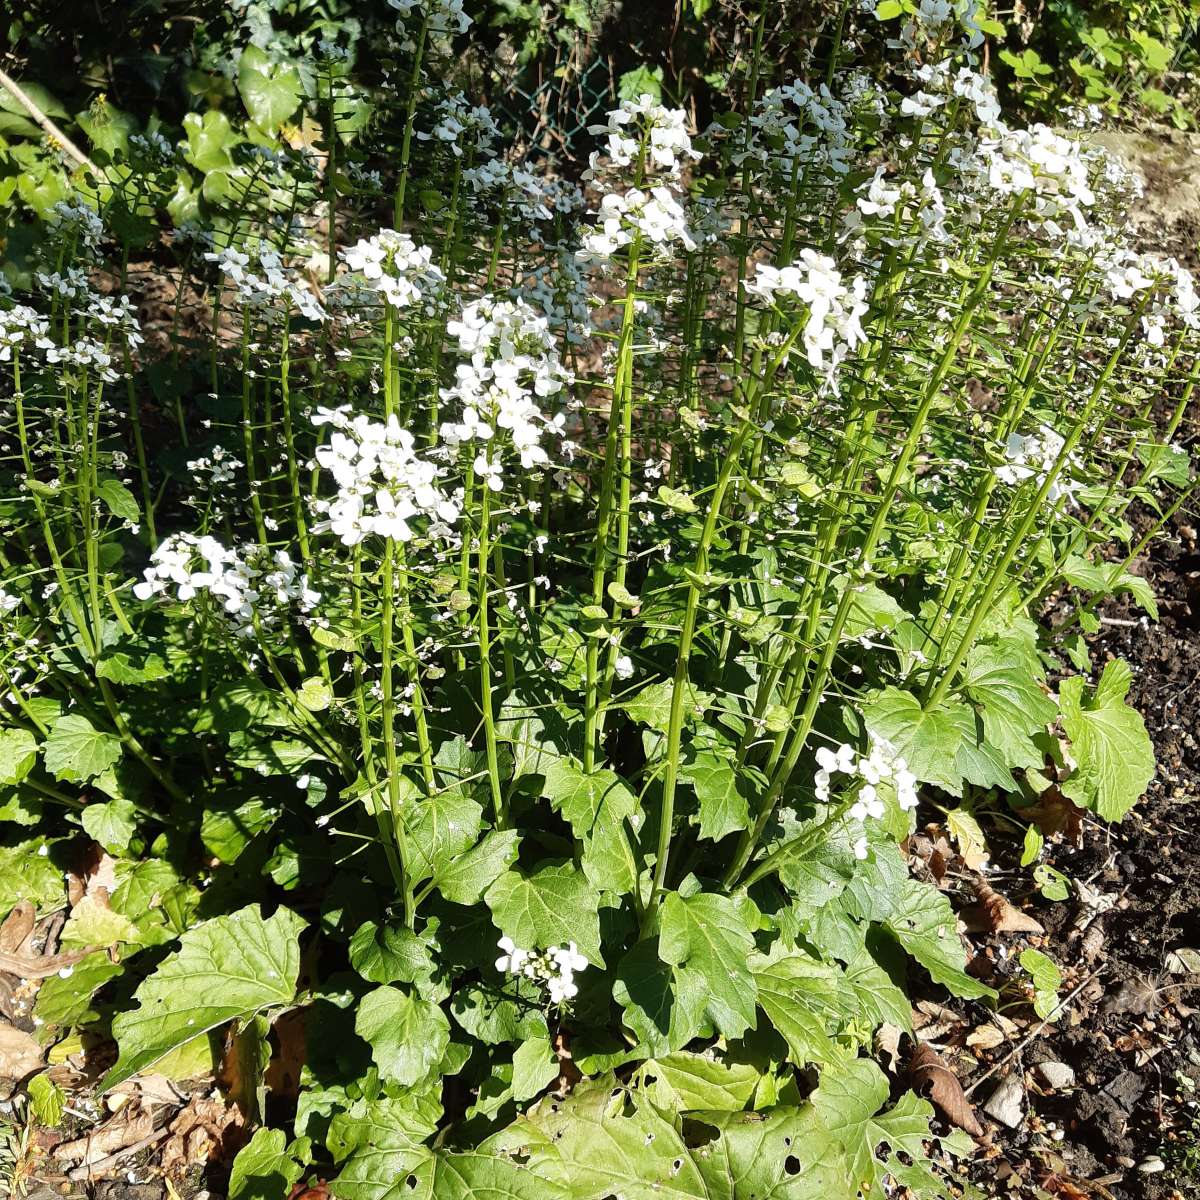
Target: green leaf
602, 1142
466, 878
706, 937
534, 1066
18, 753
229, 968
848, 1100
112, 824
871, 611
263, 1169
383, 1139
924, 924
664, 1013
876, 989
1046, 979
652, 705
270, 91
597, 806
407, 1035
390, 953
439, 827
93, 923
120, 500
1002, 678
125, 667
26, 873
887, 10
66, 1000
928, 740
47, 1100
681, 502
77, 751
1114, 760
492, 1017
208, 140
799, 994
682, 1082
723, 808
315, 694
553, 906
226, 833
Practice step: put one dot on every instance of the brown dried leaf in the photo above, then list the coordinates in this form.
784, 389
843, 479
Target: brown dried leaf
887, 1045
318, 1190
996, 914
120, 1131
1137, 996
29, 967
206, 1129
95, 873
20, 1055
986, 1037
932, 1077
1054, 814
17, 928
290, 1050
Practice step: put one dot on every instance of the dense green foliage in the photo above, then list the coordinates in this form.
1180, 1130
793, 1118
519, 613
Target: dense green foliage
515, 624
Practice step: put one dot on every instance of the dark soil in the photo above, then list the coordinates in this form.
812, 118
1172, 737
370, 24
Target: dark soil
1129, 1128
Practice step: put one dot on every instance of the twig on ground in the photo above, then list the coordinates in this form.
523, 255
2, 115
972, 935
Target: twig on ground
88, 1170
1035, 1032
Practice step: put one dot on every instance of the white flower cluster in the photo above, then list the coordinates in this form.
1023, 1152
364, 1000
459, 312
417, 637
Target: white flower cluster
796, 122
554, 968
882, 765
513, 363
8, 602
247, 583
1040, 161
655, 214
394, 265
117, 314
642, 122
457, 121
77, 220
68, 284
153, 145
835, 309
1032, 456
271, 286
382, 483
444, 16
219, 465
20, 327
85, 353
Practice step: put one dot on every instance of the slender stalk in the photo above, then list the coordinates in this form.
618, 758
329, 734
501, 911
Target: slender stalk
483, 584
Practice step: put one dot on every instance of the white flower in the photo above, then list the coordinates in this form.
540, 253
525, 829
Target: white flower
248, 583
393, 265
513, 365
554, 969
655, 214
382, 483
272, 286
1032, 456
835, 310
634, 123
623, 667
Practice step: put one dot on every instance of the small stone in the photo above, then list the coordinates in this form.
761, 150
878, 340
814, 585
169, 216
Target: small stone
1151, 1165
1055, 1075
1007, 1103
1123, 1160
